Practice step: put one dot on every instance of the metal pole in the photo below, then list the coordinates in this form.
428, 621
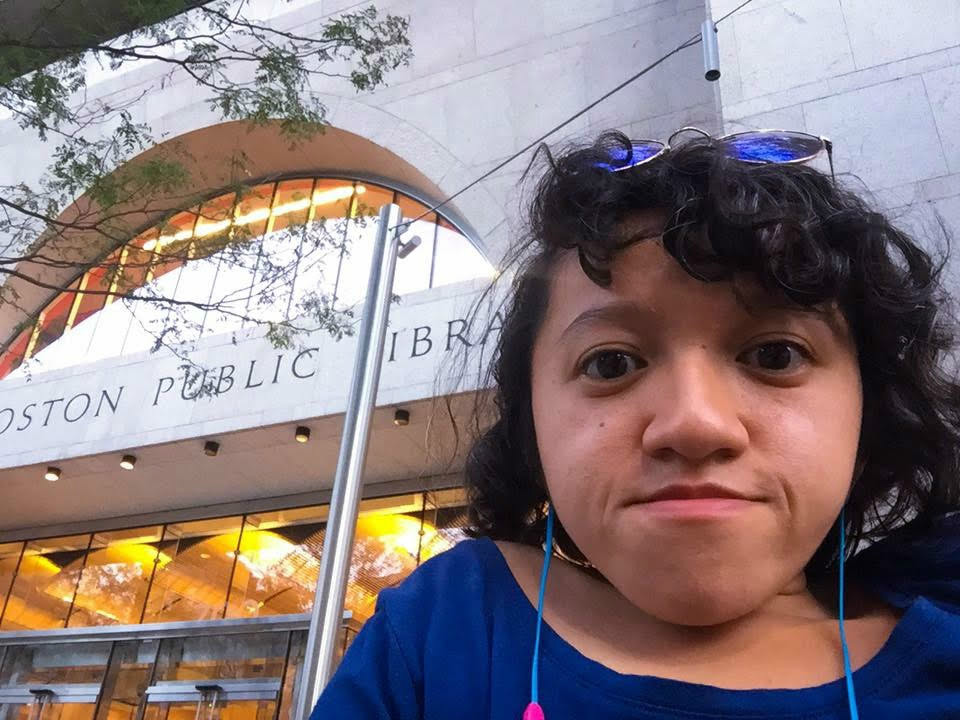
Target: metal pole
325, 620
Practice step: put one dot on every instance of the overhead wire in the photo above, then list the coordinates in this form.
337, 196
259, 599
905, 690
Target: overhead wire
690, 42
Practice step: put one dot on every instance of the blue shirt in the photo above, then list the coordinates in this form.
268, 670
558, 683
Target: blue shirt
455, 640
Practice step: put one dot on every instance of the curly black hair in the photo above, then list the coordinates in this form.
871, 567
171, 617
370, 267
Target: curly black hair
803, 237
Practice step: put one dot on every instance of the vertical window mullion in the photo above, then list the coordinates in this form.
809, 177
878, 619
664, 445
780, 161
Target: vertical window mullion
16, 571
233, 568
433, 250
351, 211
76, 588
296, 267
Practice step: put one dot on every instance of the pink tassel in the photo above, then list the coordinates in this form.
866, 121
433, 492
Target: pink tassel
533, 712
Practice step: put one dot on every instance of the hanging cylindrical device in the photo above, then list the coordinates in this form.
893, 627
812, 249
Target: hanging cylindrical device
711, 50
327, 613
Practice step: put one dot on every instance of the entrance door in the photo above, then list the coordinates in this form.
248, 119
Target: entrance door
231, 677
254, 699
52, 682
223, 676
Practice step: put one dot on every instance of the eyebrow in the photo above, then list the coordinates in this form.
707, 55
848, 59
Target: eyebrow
624, 312
633, 314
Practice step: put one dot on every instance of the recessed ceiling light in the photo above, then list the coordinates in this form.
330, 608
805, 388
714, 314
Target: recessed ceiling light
401, 417
302, 434
128, 461
52, 474
211, 448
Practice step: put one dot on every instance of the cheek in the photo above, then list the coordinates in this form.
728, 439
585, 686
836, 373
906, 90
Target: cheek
810, 440
581, 444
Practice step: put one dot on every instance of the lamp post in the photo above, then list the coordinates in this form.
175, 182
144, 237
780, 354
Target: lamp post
327, 614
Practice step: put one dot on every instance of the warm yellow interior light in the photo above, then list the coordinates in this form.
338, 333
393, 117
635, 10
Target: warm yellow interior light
212, 228
292, 206
252, 216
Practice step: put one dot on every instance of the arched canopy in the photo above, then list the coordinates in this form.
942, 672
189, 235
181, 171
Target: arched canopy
258, 254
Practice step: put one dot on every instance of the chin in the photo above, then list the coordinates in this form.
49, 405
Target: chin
697, 604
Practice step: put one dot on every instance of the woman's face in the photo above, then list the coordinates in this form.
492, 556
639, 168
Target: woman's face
661, 383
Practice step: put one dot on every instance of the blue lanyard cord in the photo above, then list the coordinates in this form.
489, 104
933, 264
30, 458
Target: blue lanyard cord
848, 673
548, 552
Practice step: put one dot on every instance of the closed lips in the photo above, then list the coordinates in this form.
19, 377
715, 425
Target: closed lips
694, 492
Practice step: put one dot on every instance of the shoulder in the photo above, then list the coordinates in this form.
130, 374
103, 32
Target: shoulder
458, 580
464, 594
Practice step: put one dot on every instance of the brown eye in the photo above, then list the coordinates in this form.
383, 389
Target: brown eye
775, 356
610, 365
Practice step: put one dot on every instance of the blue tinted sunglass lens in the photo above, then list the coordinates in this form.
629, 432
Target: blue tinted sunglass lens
624, 158
772, 147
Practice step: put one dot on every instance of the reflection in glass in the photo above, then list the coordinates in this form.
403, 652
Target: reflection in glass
298, 643
264, 564
457, 259
223, 657
9, 561
278, 564
192, 584
53, 321
127, 679
46, 581
55, 664
114, 581
12, 357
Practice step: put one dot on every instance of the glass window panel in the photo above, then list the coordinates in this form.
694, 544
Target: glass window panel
98, 281
276, 272
278, 564
413, 271
355, 266
457, 259
9, 559
368, 202
127, 679
225, 657
230, 710
211, 231
291, 204
411, 208
192, 585
252, 211
173, 242
13, 356
331, 199
236, 272
298, 642
385, 550
54, 319
137, 260
113, 584
55, 664
110, 332
195, 284
447, 513
43, 589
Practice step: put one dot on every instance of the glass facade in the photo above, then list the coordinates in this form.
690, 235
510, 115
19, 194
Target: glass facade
242, 566
239, 676
266, 253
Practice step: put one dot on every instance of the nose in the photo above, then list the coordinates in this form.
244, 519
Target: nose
696, 412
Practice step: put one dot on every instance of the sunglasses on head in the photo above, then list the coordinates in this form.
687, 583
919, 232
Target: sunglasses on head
781, 147
755, 147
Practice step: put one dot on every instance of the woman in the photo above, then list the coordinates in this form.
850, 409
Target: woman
716, 381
